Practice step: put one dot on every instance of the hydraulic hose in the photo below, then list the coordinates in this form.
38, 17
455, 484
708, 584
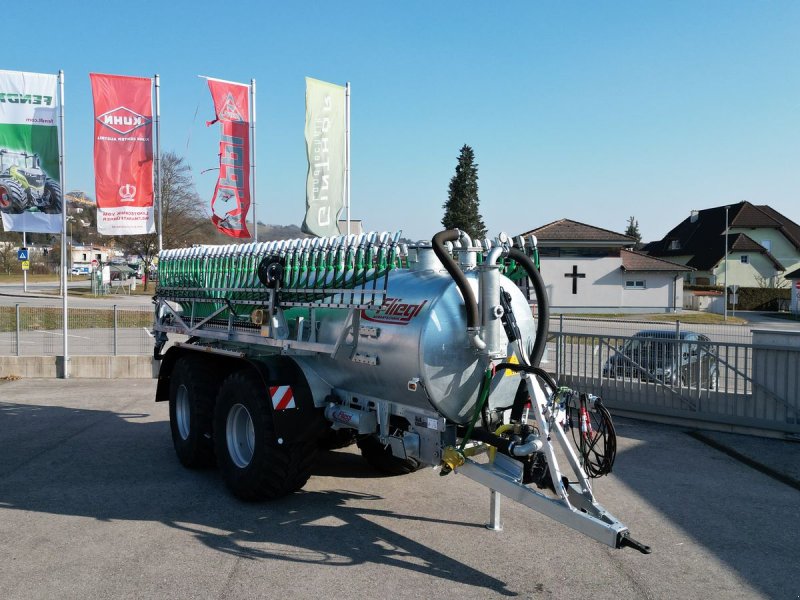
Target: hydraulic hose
470, 303
544, 375
542, 306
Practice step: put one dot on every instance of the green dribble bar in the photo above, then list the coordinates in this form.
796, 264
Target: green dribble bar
344, 270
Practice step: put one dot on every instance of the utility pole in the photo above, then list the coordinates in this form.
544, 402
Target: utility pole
726, 264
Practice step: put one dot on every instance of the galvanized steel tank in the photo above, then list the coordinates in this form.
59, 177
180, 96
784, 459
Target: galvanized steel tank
419, 335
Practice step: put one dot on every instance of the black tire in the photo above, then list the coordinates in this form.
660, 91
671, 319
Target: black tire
12, 196
380, 457
52, 197
191, 409
254, 465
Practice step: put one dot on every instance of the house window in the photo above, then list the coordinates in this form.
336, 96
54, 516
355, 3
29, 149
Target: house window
767, 245
745, 259
675, 245
635, 284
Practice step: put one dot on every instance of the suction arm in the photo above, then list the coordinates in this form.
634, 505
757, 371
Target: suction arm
473, 317
542, 306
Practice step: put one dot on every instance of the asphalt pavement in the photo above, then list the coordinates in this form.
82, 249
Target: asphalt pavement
94, 504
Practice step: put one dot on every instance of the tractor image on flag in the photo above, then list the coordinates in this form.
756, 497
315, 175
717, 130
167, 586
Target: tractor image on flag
24, 185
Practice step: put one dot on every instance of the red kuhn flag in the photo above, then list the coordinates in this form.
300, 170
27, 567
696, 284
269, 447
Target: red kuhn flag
123, 154
231, 199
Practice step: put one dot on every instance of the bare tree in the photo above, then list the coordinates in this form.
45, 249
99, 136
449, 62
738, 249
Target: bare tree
183, 216
8, 257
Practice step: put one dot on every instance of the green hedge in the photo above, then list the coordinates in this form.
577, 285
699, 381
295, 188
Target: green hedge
753, 298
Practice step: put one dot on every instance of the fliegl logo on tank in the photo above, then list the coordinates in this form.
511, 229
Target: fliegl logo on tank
393, 310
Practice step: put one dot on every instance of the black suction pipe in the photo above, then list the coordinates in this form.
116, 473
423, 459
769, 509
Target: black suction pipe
438, 241
542, 307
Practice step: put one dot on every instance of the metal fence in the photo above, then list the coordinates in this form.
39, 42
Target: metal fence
106, 330
743, 385
625, 327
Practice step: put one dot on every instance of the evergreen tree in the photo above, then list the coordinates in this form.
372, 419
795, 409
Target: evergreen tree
461, 210
633, 231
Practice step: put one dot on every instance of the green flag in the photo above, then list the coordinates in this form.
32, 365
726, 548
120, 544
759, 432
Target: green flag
30, 193
325, 147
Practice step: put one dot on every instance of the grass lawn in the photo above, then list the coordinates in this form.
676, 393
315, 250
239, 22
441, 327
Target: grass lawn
702, 318
38, 317
17, 278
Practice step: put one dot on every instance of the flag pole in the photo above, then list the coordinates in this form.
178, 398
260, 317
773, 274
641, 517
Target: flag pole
157, 81
253, 153
347, 152
24, 272
62, 167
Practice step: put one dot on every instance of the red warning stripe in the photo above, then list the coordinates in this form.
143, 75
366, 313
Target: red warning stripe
282, 397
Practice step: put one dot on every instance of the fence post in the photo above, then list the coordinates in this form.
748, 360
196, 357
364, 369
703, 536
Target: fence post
678, 329
115, 330
18, 344
559, 348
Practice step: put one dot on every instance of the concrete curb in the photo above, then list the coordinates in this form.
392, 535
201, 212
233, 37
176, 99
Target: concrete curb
80, 367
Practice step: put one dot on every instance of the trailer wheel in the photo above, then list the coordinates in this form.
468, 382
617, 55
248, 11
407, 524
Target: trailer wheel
255, 464
380, 457
191, 401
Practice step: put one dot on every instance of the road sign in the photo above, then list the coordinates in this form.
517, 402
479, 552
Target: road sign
22, 254
797, 284
26, 265
94, 262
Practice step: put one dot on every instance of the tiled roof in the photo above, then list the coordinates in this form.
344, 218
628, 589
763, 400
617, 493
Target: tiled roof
788, 228
636, 261
573, 231
701, 236
738, 242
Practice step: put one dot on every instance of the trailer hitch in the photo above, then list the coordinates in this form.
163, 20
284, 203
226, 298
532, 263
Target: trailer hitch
625, 540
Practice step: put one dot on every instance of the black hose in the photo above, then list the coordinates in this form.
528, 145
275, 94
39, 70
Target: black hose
542, 306
533, 370
502, 444
452, 235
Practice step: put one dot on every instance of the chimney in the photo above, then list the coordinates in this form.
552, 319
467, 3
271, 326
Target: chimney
693, 216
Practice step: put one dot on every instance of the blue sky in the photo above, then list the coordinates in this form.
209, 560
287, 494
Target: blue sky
593, 111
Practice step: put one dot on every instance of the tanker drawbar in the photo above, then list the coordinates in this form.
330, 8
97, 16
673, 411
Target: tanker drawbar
422, 354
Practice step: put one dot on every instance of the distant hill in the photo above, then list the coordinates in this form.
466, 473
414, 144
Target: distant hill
268, 233
80, 198
265, 232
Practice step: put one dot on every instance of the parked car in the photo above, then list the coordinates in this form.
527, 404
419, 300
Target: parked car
662, 356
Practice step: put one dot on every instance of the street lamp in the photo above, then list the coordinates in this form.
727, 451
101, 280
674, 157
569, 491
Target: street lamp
726, 263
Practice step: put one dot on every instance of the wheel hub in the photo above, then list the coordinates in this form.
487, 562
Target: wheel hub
183, 412
240, 435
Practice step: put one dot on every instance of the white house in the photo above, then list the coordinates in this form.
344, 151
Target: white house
794, 278
587, 269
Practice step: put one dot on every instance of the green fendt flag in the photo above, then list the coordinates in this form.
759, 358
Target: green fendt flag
325, 133
30, 193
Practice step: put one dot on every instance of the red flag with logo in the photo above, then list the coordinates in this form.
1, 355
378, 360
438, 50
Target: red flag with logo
231, 199
123, 154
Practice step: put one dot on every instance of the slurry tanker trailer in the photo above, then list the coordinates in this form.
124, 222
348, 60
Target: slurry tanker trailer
421, 354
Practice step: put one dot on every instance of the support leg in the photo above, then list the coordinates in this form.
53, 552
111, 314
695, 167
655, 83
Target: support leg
494, 512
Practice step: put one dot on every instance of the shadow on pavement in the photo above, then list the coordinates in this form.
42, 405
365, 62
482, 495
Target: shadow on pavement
745, 518
124, 468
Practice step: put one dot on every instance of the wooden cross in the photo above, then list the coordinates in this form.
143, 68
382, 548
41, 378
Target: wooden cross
575, 276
